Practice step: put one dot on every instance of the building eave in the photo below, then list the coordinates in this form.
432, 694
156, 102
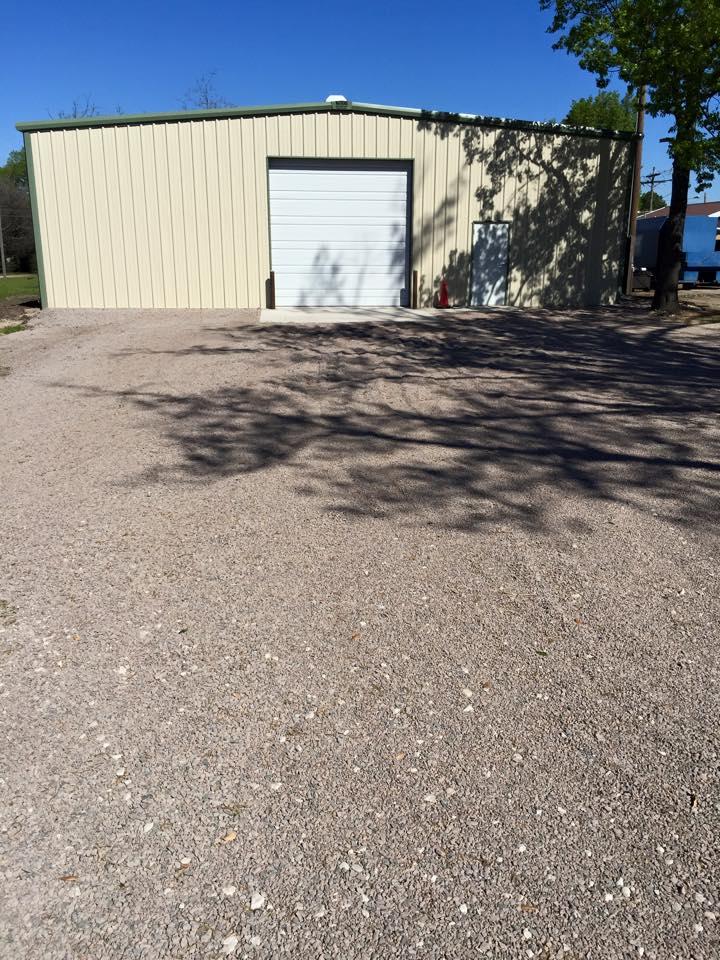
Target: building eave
420, 116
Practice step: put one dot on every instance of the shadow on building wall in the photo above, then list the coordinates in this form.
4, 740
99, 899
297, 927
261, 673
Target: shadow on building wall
565, 197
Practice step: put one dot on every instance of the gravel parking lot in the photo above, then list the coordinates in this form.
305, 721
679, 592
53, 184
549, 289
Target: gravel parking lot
382, 640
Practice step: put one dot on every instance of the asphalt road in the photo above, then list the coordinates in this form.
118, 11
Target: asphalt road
388, 640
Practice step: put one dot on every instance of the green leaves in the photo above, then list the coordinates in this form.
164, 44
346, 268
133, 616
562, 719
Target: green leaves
651, 200
670, 46
605, 111
15, 168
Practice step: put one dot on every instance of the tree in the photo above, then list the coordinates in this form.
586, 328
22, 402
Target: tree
15, 169
203, 95
78, 110
15, 212
672, 48
650, 200
606, 111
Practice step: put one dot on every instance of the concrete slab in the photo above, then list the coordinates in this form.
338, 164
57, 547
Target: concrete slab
315, 315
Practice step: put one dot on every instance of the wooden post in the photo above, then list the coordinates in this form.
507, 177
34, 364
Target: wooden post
270, 291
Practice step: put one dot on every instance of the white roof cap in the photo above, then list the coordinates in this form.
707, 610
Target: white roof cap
336, 98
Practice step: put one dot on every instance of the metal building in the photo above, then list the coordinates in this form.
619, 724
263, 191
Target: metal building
337, 203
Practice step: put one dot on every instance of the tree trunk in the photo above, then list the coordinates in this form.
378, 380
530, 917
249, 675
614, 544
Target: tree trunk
670, 244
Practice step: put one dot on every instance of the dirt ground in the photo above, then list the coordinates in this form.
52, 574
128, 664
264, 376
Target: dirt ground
698, 304
701, 296
382, 640
21, 309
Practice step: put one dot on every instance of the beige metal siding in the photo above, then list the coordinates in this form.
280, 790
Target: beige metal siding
175, 214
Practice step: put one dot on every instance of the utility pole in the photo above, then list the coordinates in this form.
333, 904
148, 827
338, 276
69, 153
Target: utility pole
652, 177
3, 265
650, 180
635, 195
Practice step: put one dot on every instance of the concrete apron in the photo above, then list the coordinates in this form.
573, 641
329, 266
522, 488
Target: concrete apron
315, 315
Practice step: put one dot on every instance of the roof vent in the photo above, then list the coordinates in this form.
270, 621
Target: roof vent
336, 98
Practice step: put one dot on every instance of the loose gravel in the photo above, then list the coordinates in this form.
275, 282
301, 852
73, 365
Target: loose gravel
388, 640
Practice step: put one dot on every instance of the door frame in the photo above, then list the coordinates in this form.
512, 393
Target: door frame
338, 163
475, 223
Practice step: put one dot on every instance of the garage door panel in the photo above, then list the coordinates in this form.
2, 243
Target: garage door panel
372, 279
327, 181
323, 192
339, 233
378, 259
347, 290
350, 228
339, 207
344, 297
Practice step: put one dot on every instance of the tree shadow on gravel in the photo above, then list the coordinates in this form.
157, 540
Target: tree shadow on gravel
510, 416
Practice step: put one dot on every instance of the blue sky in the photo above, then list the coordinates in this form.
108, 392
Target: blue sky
491, 58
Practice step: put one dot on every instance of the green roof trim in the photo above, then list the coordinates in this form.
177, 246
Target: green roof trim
425, 116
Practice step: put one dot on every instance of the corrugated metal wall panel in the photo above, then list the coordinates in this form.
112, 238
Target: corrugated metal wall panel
262, 231
107, 185
239, 218
176, 214
64, 216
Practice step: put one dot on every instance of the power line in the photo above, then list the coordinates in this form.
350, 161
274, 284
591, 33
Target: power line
652, 178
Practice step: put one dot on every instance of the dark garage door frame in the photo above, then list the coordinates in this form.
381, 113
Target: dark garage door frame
345, 163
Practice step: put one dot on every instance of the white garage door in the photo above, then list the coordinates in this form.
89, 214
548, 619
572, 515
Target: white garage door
339, 233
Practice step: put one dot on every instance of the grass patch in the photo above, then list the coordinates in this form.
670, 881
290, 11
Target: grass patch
12, 328
19, 285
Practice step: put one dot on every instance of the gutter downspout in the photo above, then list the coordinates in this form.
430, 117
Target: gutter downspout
635, 194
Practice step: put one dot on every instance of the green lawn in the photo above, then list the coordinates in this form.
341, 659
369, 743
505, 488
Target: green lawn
19, 285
